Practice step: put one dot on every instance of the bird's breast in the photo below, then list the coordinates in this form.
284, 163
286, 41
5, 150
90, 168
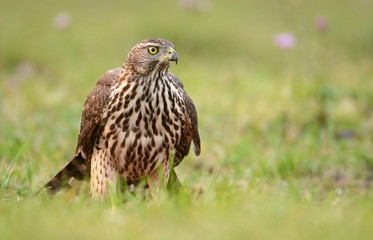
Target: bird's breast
145, 119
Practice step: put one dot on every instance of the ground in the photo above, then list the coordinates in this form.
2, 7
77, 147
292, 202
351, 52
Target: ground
286, 132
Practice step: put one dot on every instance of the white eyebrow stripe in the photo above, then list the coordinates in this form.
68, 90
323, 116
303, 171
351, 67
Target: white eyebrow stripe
149, 44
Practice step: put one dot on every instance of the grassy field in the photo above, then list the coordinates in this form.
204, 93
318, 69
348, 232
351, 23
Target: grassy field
287, 134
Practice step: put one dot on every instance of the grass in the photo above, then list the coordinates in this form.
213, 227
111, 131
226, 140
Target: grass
287, 134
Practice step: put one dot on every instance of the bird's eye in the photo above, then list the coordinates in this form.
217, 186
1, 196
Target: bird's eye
153, 50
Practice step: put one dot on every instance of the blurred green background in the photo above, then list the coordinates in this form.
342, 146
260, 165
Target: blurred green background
286, 130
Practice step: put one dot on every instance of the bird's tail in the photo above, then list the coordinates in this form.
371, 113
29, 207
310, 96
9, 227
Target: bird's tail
77, 168
197, 144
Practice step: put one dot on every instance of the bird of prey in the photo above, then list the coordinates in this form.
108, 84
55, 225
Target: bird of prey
137, 122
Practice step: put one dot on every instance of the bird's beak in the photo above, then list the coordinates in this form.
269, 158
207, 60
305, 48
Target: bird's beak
172, 56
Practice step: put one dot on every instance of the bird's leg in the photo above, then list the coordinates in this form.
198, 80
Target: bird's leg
164, 177
158, 180
154, 183
102, 173
174, 184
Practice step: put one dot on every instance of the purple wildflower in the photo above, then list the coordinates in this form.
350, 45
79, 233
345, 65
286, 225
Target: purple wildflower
321, 23
188, 4
62, 20
285, 40
199, 5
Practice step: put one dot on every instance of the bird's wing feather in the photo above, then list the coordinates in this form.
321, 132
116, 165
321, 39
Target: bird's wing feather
79, 166
190, 132
192, 114
177, 81
94, 106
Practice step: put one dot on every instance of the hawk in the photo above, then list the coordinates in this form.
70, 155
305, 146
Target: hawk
137, 120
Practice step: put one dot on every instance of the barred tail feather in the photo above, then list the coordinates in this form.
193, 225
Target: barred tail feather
76, 168
197, 145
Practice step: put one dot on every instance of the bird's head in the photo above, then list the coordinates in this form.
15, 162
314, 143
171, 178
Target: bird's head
151, 55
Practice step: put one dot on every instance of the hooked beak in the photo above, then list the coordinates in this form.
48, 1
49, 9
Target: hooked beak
172, 56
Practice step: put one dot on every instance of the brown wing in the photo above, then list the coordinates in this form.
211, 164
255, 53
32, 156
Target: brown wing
96, 102
177, 81
193, 124
79, 166
190, 130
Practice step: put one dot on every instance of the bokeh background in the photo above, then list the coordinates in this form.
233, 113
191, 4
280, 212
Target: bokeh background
284, 93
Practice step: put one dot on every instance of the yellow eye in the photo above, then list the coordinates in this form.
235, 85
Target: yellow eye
153, 50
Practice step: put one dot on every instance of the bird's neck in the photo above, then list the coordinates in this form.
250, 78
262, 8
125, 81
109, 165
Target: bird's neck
136, 71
